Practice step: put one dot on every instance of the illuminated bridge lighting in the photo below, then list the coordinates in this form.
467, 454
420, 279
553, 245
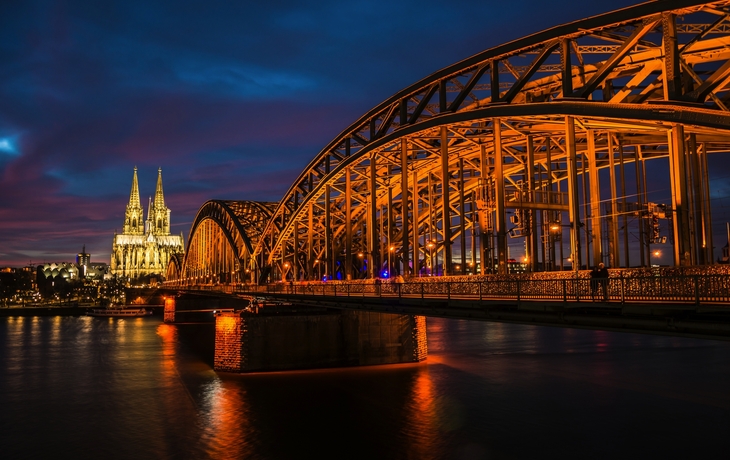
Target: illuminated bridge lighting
535, 142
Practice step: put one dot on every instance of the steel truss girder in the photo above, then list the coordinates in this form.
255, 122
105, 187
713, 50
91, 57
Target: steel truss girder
640, 120
444, 125
637, 30
240, 223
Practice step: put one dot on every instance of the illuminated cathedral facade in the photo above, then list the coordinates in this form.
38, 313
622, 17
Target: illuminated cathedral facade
145, 246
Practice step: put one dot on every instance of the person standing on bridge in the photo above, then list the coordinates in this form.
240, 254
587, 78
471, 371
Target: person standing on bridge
599, 277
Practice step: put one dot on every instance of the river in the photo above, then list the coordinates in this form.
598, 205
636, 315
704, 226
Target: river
91, 388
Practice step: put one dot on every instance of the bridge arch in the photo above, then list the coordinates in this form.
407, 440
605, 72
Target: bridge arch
221, 242
174, 271
544, 136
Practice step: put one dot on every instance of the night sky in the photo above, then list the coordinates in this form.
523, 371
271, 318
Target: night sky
230, 99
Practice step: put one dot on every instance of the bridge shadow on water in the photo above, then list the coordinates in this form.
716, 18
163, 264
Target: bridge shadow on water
197, 339
487, 390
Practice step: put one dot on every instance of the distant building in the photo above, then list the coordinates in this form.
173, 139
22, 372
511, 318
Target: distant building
97, 271
83, 260
67, 270
145, 246
74, 271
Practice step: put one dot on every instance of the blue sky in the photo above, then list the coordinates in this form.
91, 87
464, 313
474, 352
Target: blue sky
230, 99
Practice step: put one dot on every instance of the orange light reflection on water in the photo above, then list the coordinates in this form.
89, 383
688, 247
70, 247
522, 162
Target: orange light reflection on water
168, 334
220, 405
423, 429
228, 432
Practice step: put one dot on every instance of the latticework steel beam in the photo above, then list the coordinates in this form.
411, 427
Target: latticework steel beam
515, 142
222, 239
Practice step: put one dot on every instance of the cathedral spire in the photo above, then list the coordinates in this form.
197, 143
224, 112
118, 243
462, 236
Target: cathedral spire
159, 212
145, 246
133, 223
159, 196
134, 195
148, 223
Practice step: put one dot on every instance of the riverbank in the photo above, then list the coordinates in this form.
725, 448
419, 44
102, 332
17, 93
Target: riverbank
60, 310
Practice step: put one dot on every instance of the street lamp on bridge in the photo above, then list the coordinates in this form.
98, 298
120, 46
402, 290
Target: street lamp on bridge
319, 270
430, 245
656, 253
390, 268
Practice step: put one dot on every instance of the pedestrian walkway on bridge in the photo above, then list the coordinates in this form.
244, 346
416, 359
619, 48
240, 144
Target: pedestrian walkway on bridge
706, 286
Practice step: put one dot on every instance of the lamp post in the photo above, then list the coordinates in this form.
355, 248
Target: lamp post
390, 269
569, 259
361, 256
430, 247
556, 231
656, 253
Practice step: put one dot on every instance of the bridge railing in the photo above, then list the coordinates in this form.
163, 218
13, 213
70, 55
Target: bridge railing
695, 289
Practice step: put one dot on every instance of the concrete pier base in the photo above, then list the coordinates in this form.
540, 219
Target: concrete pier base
246, 342
168, 313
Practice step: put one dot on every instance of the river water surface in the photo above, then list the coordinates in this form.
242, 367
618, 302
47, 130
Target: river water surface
132, 388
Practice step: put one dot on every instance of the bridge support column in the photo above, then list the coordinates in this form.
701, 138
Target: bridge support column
549, 255
229, 342
462, 218
595, 198
500, 198
373, 236
699, 192
531, 224
486, 256
614, 259
415, 227
169, 310
704, 199
573, 204
445, 200
295, 256
247, 342
328, 252
641, 198
348, 224
310, 244
624, 207
680, 201
404, 206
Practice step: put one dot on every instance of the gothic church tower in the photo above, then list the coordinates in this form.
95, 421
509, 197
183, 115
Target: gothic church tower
133, 217
145, 246
160, 214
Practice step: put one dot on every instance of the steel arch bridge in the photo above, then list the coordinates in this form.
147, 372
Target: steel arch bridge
221, 243
547, 139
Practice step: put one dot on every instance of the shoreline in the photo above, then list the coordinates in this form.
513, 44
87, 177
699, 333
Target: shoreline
63, 311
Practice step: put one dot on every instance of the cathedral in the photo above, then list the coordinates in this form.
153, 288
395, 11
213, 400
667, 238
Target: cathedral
145, 246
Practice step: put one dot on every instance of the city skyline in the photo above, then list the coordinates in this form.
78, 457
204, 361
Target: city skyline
231, 102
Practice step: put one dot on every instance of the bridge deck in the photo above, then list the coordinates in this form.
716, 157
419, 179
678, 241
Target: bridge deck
687, 305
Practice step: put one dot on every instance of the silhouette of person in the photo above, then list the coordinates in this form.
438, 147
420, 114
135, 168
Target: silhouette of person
601, 278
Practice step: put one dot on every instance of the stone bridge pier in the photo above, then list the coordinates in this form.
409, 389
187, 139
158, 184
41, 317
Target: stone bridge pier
248, 342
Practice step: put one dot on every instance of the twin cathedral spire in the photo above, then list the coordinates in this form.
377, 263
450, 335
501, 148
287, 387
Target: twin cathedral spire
145, 246
158, 215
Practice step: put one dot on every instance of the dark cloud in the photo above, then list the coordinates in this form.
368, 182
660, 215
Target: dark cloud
231, 99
